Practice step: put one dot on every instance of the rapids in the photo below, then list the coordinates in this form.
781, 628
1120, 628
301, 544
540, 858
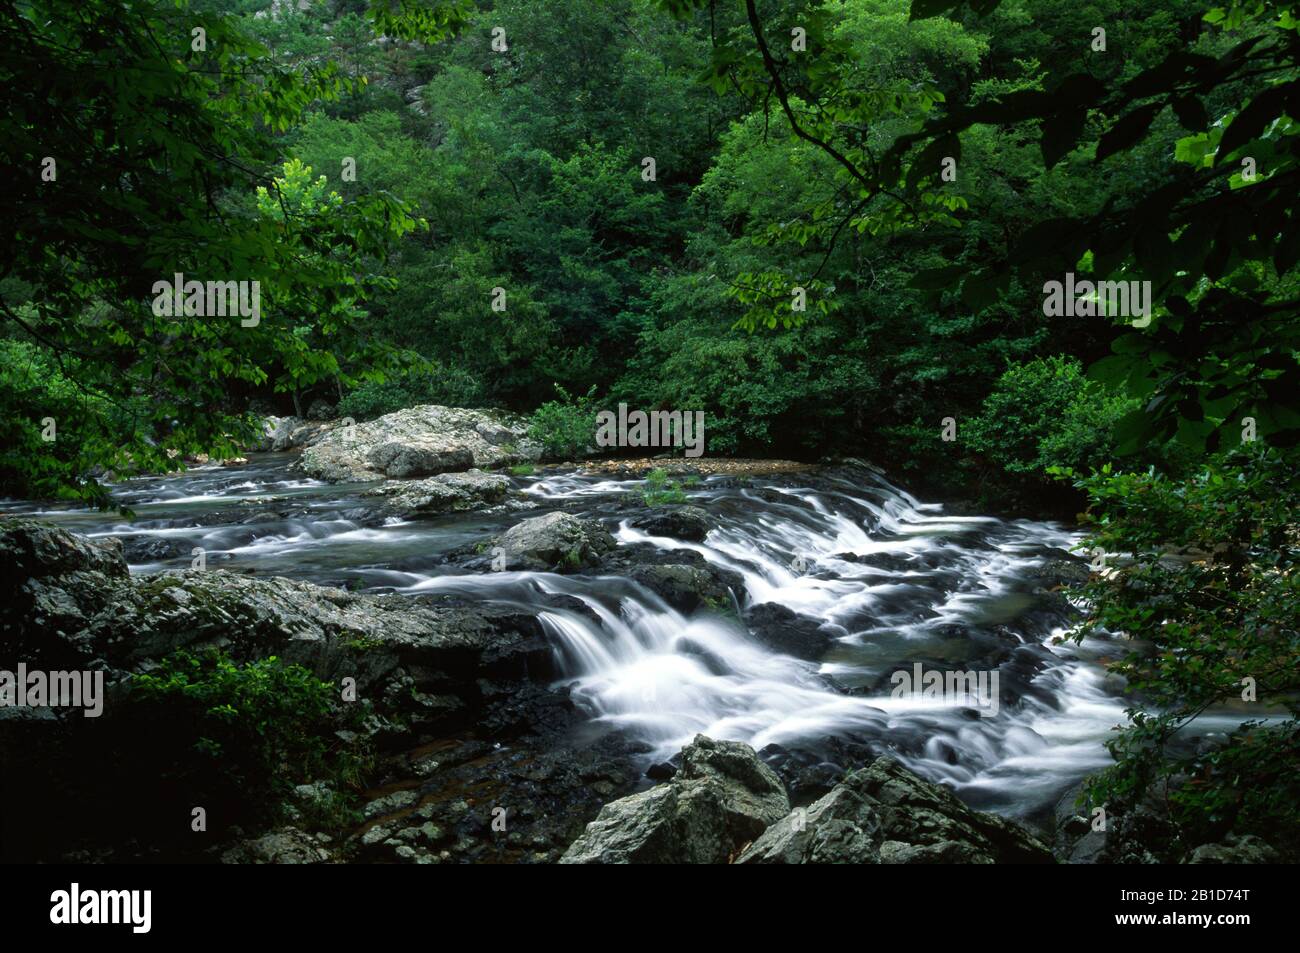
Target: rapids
893, 580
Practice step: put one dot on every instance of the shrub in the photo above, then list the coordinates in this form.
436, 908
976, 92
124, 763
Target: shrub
659, 490
1045, 413
1207, 575
437, 385
566, 428
241, 735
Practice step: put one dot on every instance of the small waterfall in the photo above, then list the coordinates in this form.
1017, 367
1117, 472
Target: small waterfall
892, 582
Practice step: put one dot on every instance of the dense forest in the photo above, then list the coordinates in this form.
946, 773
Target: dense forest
1030, 257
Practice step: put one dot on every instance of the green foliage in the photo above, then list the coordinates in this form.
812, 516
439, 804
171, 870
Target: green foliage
566, 428
186, 180
1045, 413
239, 733
422, 384
1204, 572
659, 490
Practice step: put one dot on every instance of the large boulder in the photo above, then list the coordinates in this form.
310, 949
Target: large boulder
52, 583
556, 542
77, 606
885, 814
444, 493
721, 798
419, 442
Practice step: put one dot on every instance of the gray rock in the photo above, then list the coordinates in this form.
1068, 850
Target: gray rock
841, 828
390, 804
287, 845
885, 814
685, 588
420, 441
1234, 849
320, 409
290, 433
555, 542
680, 522
722, 797
784, 630
445, 493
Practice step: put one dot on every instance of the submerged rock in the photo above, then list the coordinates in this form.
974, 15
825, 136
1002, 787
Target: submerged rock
418, 442
721, 797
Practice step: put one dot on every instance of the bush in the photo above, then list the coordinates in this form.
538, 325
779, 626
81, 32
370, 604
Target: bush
240, 736
1045, 413
1206, 573
89, 430
659, 490
566, 428
374, 398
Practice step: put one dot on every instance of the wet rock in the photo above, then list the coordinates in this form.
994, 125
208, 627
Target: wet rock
722, 797
685, 588
420, 441
151, 549
785, 631
31, 549
679, 522
556, 542
1234, 849
390, 804
445, 493
287, 845
886, 814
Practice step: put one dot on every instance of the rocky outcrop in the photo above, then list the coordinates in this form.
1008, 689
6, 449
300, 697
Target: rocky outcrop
1234, 849
721, 797
79, 606
417, 666
291, 433
556, 542
420, 442
445, 493
724, 804
885, 814
287, 845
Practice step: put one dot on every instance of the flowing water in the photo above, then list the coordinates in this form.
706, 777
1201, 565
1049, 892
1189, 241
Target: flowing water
894, 581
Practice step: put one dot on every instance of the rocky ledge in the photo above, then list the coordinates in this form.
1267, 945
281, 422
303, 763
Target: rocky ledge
432, 700
724, 805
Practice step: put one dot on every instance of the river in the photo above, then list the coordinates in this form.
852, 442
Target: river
894, 581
